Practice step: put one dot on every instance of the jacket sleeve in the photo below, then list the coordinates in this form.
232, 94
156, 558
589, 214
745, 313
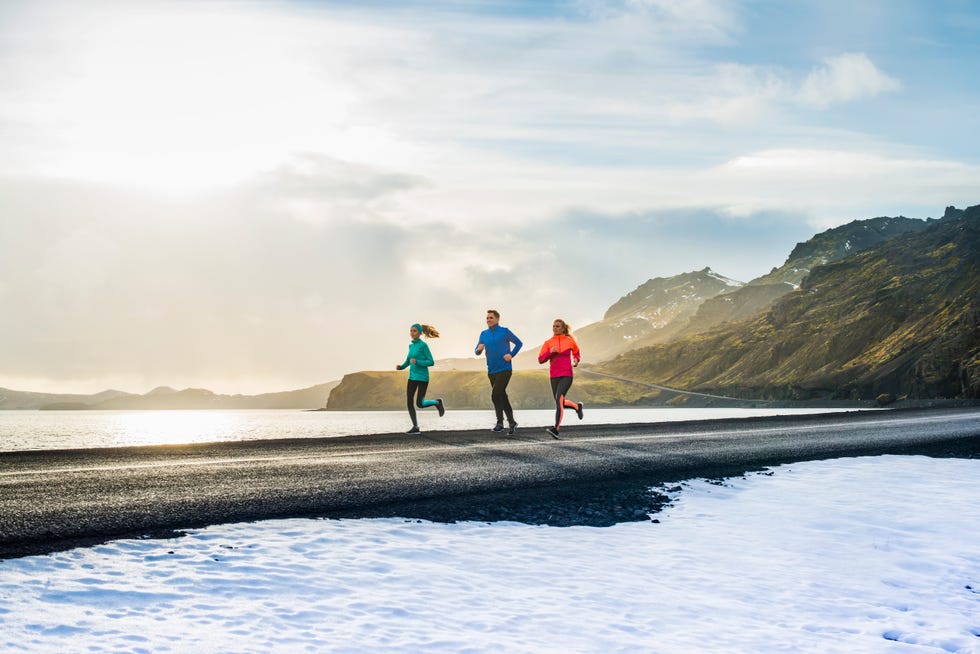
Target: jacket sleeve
512, 337
407, 362
424, 357
545, 353
480, 340
575, 351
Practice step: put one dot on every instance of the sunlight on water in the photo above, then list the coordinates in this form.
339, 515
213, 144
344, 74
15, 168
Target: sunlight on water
172, 427
49, 430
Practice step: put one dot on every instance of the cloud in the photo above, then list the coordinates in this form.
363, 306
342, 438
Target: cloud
313, 175
284, 194
845, 78
702, 21
183, 290
318, 189
780, 177
236, 287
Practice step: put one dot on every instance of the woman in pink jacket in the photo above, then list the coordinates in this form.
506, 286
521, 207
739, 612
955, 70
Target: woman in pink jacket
563, 353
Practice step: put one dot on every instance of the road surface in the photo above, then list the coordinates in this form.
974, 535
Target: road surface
597, 474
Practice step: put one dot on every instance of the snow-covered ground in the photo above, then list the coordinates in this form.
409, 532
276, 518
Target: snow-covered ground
878, 554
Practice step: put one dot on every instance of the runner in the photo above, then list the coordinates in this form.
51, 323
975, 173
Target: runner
563, 353
496, 341
418, 361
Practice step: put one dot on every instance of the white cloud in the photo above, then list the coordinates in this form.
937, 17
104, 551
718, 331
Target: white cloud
704, 21
320, 189
868, 181
345, 170
238, 288
186, 96
845, 78
731, 95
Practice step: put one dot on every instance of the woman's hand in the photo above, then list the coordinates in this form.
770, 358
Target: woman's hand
413, 362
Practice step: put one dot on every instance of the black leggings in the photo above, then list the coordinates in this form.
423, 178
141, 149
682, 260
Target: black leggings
415, 386
501, 403
560, 387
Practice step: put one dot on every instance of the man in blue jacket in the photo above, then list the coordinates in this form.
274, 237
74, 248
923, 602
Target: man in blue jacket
496, 341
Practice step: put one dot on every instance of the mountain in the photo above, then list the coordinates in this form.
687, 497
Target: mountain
467, 389
666, 308
655, 311
11, 399
168, 398
831, 245
901, 317
840, 243
741, 303
461, 363
163, 390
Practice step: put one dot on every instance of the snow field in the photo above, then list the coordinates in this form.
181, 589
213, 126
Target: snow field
876, 554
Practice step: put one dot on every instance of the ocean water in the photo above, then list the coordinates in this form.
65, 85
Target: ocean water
49, 430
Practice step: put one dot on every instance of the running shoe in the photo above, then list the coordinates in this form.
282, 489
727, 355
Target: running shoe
499, 427
414, 430
513, 429
442, 408
578, 410
553, 431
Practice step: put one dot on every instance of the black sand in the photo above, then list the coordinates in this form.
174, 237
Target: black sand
596, 475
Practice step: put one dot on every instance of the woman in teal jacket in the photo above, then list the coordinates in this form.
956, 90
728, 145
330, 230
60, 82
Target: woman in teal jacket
418, 361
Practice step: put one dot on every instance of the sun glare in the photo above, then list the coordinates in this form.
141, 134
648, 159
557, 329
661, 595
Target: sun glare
174, 103
172, 427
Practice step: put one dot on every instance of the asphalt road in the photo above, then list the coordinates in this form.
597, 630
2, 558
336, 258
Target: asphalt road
597, 474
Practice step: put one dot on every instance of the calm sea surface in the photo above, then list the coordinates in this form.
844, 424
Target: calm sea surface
48, 430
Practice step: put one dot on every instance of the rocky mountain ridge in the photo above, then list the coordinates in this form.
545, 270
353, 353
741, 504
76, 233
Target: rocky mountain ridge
839, 243
654, 312
654, 317
901, 318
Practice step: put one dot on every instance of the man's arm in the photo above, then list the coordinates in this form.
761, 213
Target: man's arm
512, 337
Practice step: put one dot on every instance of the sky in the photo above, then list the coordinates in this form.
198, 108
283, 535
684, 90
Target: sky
263, 196
784, 560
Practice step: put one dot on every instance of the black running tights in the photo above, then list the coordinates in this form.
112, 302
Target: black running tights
560, 387
415, 387
501, 403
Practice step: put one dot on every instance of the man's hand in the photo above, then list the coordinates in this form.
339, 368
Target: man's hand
507, 357
479, 348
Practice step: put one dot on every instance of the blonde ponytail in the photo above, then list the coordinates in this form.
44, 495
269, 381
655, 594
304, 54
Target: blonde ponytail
430, 331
